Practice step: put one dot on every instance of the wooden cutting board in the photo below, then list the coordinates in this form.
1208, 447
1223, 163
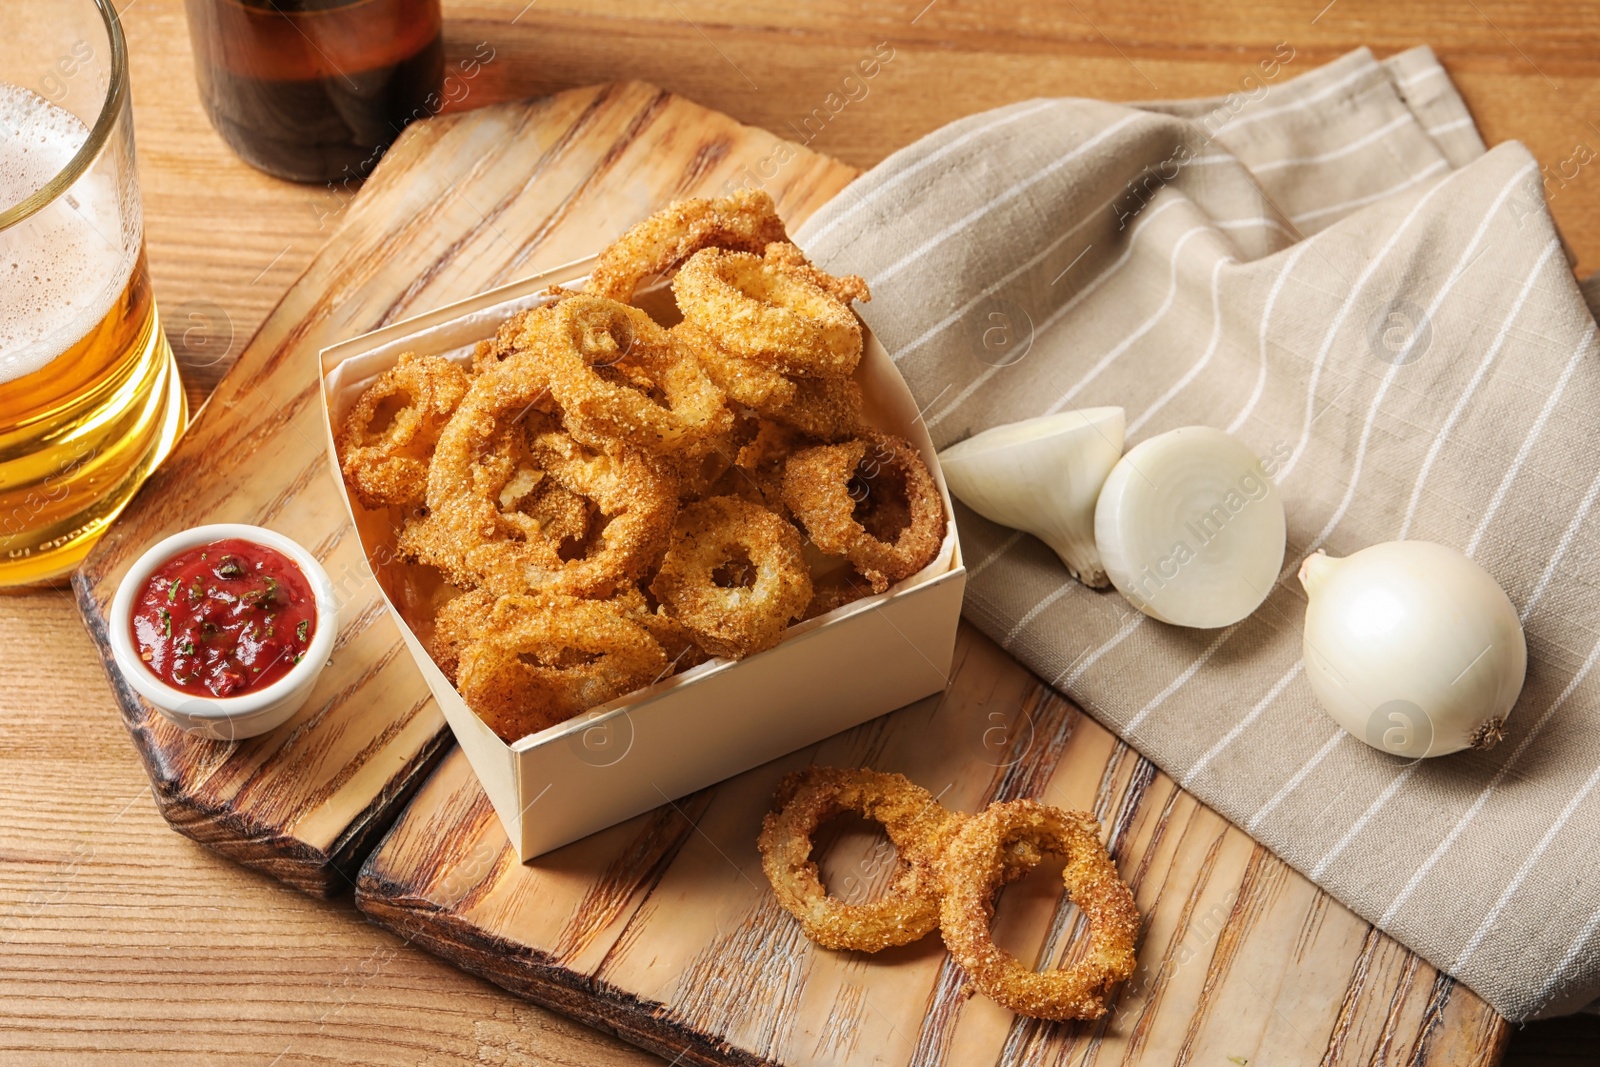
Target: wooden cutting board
662, 929
462, 204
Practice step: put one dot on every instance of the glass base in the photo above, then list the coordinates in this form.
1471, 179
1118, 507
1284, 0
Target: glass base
100, 461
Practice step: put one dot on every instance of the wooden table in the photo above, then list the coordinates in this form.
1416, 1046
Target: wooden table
121, 941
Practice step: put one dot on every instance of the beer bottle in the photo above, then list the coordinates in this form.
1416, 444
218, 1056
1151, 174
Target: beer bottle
316, 90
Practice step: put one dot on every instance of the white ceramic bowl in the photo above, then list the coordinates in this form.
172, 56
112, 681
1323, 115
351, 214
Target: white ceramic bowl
225, 718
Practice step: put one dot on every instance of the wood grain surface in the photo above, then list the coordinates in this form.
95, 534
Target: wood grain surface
663, 929
121, 942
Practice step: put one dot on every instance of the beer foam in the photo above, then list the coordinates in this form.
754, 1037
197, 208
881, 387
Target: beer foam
61, 269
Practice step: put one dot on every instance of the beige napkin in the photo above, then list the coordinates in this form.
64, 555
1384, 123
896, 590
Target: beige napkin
1332, 267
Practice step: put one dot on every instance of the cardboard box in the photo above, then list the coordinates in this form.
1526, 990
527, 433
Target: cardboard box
706, 724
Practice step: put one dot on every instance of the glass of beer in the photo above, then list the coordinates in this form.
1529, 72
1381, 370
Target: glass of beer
90, 399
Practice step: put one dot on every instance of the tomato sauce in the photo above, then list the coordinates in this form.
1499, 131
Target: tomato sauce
224, 618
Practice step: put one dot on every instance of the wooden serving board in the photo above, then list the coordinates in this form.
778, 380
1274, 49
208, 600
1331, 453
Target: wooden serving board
463, 203
664, 931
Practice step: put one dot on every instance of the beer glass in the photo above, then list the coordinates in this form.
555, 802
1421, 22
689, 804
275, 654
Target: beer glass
90, 399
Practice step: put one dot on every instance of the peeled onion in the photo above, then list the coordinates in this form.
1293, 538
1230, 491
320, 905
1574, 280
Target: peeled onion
1412, 647
1190, 528
1042, 476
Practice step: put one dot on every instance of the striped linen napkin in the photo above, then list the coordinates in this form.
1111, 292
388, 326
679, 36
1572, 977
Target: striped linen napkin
1333, 268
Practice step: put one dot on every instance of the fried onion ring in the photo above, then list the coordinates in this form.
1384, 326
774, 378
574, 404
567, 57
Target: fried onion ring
835, 589
505, 342
735, 574
870, 500
389, 436
703, 469
843, 288
829, 408
620, 377
753, 384
919, 828
459, 623
633, 501
747, 221
761, 312
482, 474
974, 866
493, 522
542, 660
675, 639
756, 471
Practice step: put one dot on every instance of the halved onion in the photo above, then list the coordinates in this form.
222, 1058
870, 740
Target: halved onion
1190, 528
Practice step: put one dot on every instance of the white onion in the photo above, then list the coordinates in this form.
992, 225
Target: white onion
1412, 647
1042, 476
1190, 528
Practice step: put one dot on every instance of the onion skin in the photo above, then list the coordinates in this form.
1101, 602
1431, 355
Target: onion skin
1412, 648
